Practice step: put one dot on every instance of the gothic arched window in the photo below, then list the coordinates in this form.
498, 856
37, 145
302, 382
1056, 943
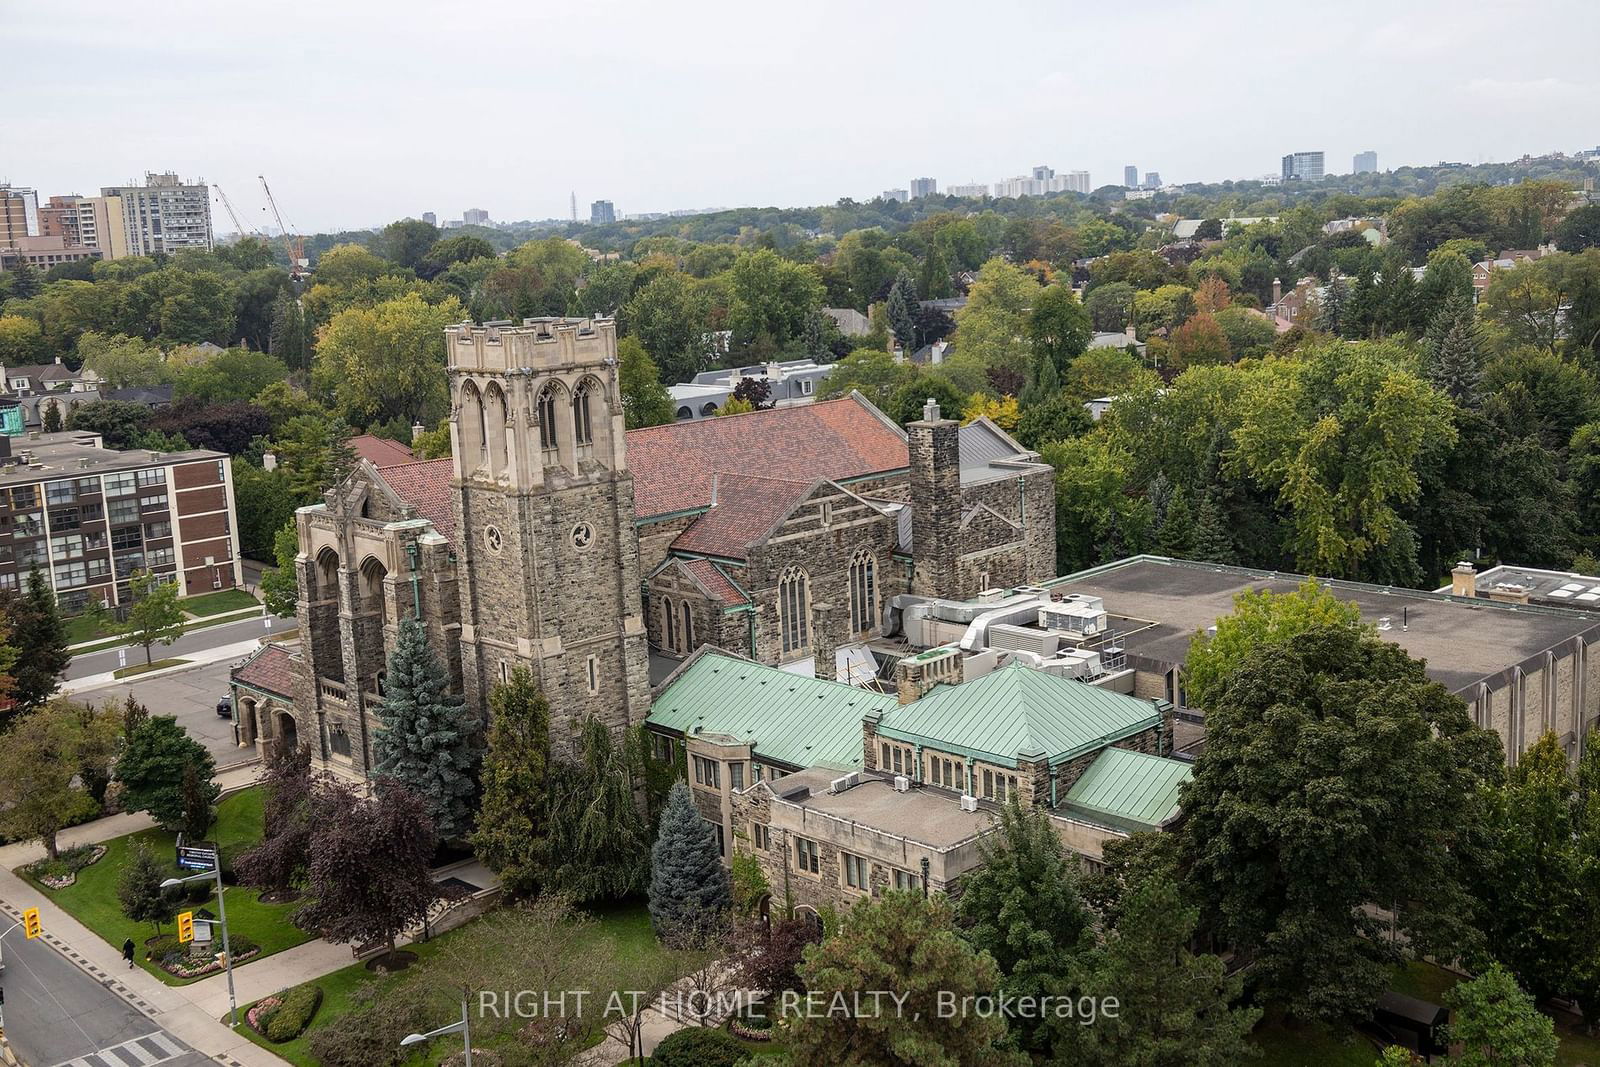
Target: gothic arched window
549, 443
582, 430
669, 620
339, 740
794, 610
863, 592
688, 630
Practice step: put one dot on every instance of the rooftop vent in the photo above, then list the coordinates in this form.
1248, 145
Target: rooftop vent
969, 803
848, 781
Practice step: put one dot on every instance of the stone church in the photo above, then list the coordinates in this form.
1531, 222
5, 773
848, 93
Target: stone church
554, 540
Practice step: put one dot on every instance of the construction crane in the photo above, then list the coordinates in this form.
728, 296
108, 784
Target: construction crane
232, 214
295, 244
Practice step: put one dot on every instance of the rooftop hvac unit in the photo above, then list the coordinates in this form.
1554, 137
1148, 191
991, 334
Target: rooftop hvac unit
1006, 636
902, 784
990, 596
848, 781
969, 803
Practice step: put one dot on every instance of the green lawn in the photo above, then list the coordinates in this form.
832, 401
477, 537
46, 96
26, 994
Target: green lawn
92, 899
219, 603
81, 628
622, 932
146, 668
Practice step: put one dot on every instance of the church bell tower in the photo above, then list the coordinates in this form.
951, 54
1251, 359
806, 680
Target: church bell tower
544, 519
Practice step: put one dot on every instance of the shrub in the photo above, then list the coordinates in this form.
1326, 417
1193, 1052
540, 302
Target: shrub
199, 892
292, 1017
698, 1047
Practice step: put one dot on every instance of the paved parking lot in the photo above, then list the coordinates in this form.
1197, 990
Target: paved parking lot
190, 695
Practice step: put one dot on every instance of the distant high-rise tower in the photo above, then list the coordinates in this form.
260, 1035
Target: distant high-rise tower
430, 218
164, 214
1365, 163
1302, 166
1152, 179
475, 216
1043, 174
574, 205
1130, 177
921, 187
602, 212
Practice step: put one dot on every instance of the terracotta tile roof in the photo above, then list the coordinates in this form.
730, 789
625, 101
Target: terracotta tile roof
715, 581
747, 507
833, 439
270, 670
380, 451
425, 485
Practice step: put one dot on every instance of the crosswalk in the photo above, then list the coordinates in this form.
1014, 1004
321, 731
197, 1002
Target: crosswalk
144, 1051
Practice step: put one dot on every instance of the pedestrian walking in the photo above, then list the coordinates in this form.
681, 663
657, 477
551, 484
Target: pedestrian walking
127, 952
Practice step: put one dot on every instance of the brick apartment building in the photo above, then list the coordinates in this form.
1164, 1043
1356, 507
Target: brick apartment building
88, 517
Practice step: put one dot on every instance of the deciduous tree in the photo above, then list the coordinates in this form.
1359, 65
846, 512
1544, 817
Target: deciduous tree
155, 617
151, 770
386, 361
40, 760
1498, 1024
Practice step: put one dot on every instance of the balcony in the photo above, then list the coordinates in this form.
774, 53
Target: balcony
332, 692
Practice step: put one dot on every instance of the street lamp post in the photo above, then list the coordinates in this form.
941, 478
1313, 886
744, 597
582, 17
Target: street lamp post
464, 1028
222, 917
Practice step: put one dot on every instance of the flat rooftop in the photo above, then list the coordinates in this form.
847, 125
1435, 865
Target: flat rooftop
926, 814
1157, 605
1557, 588
72, 454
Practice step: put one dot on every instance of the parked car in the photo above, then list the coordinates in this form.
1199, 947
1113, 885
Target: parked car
225, 707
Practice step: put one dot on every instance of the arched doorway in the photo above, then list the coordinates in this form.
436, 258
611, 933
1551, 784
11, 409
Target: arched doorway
288, 734
812, 920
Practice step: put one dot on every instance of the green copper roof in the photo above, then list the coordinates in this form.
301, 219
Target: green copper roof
1019, 712
1129, 790
789, 718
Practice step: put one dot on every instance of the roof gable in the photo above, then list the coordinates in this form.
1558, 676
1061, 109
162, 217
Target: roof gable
745, 509
1130, 790
789, 718
380, 451
1017, 711
425, 485
270, 670
674, 465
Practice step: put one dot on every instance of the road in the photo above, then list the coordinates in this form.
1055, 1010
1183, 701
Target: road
198, 641
189, 695
58, 1015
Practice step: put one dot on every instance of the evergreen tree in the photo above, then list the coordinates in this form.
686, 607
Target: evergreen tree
1174, 1008
26, 280
427, 740
514, 819
199, 803
1213, 543
41, 642
1022, 907
1498, 1024
1333, 307
1176, 535
1044, 384
599, 840
139, 889
901, 309
689, 892
50, 421
1452, 351
289, 336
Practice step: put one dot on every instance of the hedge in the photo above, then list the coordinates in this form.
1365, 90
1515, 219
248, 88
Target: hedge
292, 1017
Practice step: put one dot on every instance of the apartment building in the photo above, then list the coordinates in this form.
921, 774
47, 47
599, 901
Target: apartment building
921, 187
88, 517
1303, 166
101, 225
165, 214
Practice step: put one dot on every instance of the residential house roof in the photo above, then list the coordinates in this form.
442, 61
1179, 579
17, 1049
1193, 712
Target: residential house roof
380, 451
745, 510
674, 466
41, 376
270, 669
425, 485
1019, 712
788, 718
1129, 790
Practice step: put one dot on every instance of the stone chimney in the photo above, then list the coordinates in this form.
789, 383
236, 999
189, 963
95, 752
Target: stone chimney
1509, 594
1277, 291
935, 450
417, 430
1464, 580
824, 642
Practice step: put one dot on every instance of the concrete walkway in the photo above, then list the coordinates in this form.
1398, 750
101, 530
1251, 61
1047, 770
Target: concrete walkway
236, 650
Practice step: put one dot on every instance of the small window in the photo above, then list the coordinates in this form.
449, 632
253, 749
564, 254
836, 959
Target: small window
805, 855
735, 776
707, 772
592, 669
827, 512
661, 746
897, 754
722, 844
761, 834
755, 772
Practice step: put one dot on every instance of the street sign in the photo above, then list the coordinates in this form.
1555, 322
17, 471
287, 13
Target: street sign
30, 923
185, 926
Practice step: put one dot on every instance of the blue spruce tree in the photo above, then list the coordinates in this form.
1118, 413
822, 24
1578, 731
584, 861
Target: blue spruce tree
428, 741
689, 892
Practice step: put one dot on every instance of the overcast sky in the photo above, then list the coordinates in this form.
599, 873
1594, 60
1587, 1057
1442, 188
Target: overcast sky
362, 112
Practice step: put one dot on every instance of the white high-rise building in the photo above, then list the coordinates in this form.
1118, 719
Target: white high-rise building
895, 194
165, 214
921, 187
1364, 163
969, 189
1302, 166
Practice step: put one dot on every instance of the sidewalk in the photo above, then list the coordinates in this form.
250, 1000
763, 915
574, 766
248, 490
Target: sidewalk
237, 650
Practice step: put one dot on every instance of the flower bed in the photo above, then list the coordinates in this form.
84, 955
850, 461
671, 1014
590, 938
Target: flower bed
751, 1023
62, 871
177, 961
261, 1012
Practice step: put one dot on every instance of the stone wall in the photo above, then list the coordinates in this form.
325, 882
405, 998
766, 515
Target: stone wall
934, 445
